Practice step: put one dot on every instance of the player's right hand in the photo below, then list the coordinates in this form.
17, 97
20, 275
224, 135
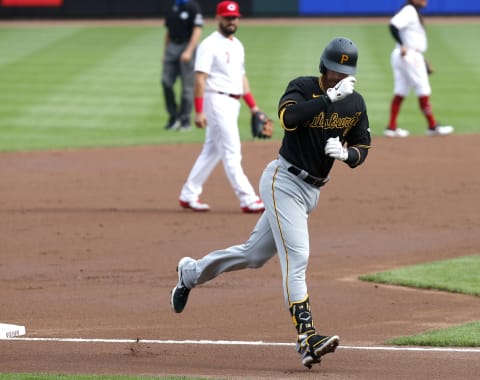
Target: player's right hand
342, 89
200, 120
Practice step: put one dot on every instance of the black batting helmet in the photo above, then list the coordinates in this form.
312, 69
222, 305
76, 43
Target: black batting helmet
339, 55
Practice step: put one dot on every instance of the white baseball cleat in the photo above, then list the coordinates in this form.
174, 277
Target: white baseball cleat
195, 205
397, 132
440, 130
254, 207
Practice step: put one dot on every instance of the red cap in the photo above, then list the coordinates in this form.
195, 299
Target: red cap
228, 8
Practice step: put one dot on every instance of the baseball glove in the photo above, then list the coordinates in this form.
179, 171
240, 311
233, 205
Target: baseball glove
262, 125
429, 68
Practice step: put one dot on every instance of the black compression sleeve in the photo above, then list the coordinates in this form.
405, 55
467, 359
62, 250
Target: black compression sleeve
395, 33
356, 155
298, 113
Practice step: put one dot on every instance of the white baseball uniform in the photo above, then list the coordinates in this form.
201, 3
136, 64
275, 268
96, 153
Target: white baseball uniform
223, 59
410, 71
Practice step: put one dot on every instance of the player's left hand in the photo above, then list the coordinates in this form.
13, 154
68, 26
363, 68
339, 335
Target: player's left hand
335, 149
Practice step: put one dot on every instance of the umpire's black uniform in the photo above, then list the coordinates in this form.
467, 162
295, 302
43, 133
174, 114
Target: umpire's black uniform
181, 19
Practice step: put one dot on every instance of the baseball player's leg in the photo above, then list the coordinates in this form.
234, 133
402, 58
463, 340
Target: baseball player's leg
255, 252
228, 140
288, 201
426, 109
401, 89
287, 215
421, 84
259, 248
170, 73
187, 75
238, 180
201, 170
310, 345
401, 81
416, 72
395, 105
207, 160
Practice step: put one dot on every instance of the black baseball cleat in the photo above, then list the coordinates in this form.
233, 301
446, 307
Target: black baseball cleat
312, 347
179, 294
172, 125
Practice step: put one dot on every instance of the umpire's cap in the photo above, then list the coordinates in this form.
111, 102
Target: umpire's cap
339, 55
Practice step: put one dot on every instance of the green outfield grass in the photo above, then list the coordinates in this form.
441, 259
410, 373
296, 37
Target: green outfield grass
467, 335
85, 86
459, 275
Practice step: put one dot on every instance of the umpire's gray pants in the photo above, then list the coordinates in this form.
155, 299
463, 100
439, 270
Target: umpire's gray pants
172, 69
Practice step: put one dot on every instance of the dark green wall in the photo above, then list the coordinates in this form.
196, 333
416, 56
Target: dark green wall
274, 7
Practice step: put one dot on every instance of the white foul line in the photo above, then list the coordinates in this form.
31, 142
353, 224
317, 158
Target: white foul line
242, 343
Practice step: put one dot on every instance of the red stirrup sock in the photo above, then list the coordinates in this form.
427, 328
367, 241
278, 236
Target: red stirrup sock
394, 111
425, 106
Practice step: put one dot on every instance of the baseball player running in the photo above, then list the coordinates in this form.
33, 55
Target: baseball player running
324, 120
410, 68
220, 81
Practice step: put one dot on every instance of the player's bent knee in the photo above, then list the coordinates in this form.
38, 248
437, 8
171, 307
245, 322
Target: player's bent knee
255, 263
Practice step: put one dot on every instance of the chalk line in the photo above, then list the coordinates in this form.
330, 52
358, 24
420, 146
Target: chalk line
242, 343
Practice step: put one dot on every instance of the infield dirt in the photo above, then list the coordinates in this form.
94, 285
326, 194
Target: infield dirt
90, 240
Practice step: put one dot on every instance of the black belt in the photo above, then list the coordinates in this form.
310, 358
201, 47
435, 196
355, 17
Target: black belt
178, 41
310, 179
231, 95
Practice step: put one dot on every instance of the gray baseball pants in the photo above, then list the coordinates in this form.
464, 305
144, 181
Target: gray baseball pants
281, 229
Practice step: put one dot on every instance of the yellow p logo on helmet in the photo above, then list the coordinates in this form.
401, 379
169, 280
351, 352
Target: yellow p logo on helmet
344, 58
340, 55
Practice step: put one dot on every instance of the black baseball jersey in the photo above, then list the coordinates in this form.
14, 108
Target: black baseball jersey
181, 19
309, 118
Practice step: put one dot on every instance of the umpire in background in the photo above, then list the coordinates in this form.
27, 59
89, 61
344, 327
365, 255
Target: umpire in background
184, 21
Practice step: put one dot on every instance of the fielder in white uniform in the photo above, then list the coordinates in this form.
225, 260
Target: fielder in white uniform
220, 82
410, 69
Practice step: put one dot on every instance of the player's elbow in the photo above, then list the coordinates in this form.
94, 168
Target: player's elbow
287, 120
356, 156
